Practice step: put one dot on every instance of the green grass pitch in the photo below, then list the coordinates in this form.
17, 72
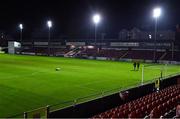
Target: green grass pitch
29, 82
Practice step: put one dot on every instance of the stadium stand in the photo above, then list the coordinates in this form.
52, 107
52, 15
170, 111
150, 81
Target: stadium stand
155, 105
58, 51
132, 54
44, 51
109, 53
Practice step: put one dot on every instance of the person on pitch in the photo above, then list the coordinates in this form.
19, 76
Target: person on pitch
138, 65
134, 64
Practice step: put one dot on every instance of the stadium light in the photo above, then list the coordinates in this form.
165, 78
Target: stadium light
150, 36
21, 26
49, 24
157, 12
156, 15
21, 29
96, 19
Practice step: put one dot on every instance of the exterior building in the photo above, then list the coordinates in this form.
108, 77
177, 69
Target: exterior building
123, 34
137, 34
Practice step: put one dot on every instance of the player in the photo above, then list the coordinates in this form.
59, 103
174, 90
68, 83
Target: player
134, 64
138, 65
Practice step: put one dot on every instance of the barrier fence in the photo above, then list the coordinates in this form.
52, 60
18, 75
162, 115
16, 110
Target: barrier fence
43, 112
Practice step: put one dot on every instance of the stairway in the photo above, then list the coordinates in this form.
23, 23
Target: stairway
124, 54
73, 52
163, 56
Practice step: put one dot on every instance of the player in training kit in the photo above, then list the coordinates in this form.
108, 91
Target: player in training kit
138, 65
134, 64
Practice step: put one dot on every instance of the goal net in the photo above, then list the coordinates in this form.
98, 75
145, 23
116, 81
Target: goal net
158, 71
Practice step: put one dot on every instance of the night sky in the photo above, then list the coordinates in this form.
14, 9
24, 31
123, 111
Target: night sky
72, 18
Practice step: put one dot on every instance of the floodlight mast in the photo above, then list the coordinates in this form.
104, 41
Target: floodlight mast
96, 19
21, 29
49, 24
156, 15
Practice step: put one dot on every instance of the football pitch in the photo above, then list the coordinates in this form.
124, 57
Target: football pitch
30, 82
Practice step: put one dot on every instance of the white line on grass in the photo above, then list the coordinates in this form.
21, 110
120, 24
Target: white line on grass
80, 86
21, 76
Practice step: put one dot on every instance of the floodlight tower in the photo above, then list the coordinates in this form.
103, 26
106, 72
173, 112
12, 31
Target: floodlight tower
21, 29
49, 24
156, 15
96, 20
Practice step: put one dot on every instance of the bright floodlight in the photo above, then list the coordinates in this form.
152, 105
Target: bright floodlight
96, 18
21, 26
49, 24
150, 36
156, 12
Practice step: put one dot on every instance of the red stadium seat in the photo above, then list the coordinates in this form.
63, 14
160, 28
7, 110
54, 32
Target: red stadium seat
155, 113
121, 115
149, 108
132, 115
143, 110
125, 113
165, 106
155, 105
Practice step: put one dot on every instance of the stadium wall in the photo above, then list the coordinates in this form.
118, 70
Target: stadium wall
91, 108
130, 60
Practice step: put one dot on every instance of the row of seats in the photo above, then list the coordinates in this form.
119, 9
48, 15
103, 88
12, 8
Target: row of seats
154, 105
44, 51
133, 54
111, 53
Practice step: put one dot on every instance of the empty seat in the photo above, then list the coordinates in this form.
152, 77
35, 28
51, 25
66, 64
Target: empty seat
132, 115
149, 108
155, 113
155, 105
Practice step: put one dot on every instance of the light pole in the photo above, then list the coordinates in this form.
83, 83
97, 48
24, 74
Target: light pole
96, 19
156, 15
21, 29
49, 24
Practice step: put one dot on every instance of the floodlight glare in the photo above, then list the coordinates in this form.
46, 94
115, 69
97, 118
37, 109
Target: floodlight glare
49, 24
21, 26
156, 12
96, 18
150, 36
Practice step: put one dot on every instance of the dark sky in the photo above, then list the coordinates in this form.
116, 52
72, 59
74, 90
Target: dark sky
73, 17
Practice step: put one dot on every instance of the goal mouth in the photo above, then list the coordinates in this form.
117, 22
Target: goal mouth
158, 71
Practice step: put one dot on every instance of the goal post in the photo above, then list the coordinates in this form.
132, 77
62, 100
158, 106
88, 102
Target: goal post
142, 79
153, 70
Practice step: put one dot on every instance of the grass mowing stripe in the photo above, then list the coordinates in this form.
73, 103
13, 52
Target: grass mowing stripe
21, 90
